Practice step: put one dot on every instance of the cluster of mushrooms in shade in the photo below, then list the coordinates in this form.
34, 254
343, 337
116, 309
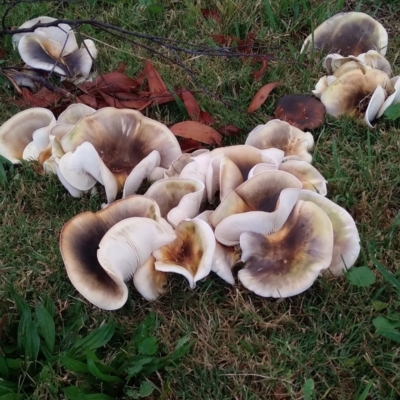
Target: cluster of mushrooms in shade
272, 213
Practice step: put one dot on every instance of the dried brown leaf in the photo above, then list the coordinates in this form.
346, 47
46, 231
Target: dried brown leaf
257, 75
188, 145
206, 118
211, 14
156, 84
229, 130
191, 105
262, 95
197, 131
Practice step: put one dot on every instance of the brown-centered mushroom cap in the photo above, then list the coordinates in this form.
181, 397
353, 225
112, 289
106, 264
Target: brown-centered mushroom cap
79, 242
301, 111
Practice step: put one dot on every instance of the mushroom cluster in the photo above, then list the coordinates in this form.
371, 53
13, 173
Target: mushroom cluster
360, 82
55, 49
272, 213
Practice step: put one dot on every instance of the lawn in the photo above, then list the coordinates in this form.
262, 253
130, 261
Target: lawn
216, 341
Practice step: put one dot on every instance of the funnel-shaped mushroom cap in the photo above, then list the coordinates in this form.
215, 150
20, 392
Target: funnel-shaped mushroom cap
123, 138
247, 156
322, 85
223, 175
394, 98
281, 135
149, 282
79, 63
348, 33
288, 262
128, 244
261, 205
197, 167
84, 167
79, 241
374, 105
17, 132
62, 33
224, 258
178, 198
309, 176
301, 111
346, 240
350, 93
190, 254
73, 113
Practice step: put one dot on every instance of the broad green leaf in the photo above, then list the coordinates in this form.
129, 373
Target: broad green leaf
3, 175
11, 396
32, 342
47, 327
19, 301
361, 276
26, 319
146, 389
183, 340
386, 274
49, 305
14, 363
73, 365
365, 392
145, 328
95, 371
385, 323
155, 9
308, 389
7, 387
4, 372
379, 305
392, 335
74, 393
393, 112
97, 338
138, 366
148, 346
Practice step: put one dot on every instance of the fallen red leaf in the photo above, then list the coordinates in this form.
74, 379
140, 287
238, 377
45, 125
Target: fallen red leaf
226, 40
246, 46
156, 84
162, 98
121, 67
206, 118
188, 145
197, 131
43, 98
210, 14
262, 95
88, 100
111, 82
191, 105
257, 75
229, 130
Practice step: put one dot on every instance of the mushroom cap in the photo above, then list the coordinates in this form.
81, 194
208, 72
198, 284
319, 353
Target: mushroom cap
301, 111
149, 282
123, 138
281, 135
309, 176
393, 98
62, 33
261, 204
190, 254
178, 198
73, 113
346, 240
350, 93
374, 105
17, 132
79, 240
348, 33
288, 261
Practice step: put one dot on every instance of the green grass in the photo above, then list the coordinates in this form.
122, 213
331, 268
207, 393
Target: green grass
318, 345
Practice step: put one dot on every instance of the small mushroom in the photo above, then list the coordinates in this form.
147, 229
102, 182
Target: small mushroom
261, 205
346, 240
287, 262
281, 135
190, 254
79, 241
301, 111
17, 132
178, 198
149, 282
348, 33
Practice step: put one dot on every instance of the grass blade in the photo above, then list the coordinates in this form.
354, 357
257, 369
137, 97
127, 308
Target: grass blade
47, 327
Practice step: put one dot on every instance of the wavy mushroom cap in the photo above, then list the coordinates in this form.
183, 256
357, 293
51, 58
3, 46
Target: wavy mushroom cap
79, 241
190, 254
261, 204
123, 138
288, 262
348, 33
351, 92
346, 240
62, 33
178, 198
281, 135
17, 132
73, 113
